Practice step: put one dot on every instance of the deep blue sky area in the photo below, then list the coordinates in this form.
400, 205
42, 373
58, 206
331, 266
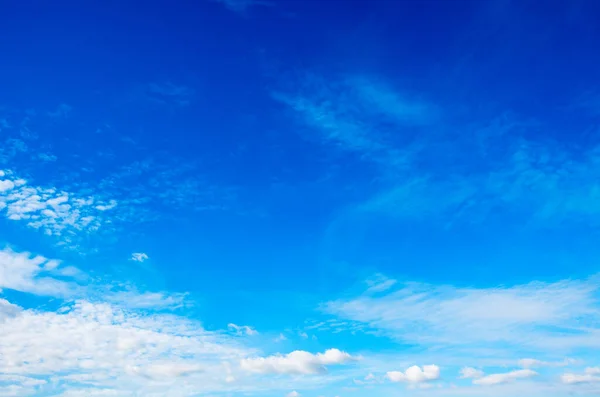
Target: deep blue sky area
299, 198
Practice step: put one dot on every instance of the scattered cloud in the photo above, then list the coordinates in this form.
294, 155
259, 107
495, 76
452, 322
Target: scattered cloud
111, 339
242, 329
495, 379
297, 362
104, 346
139, 257
52, 211
590, 375
415, 374
471, 373
293, 394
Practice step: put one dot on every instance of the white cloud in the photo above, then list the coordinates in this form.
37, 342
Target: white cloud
139, 257
38, 275
134, 299
522, 316
242, 329
6, 185
470, 373
534, 363
379, 283
495, 379
297, 362
415, 374
108, 206
590, 375
54, 212
293, 394
104, 346
33, 274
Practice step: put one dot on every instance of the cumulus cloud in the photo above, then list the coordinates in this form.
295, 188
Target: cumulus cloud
495, 379
590, 375
415, 374
297, 362
102, 342
104, 346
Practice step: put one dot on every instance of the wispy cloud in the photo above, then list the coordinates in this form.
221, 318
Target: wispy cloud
62, 111
24, 272
242, 329
358, 115
169, 93
534, 363
425, 169
139, 257
496, 379
242, 6
38, 275
550, 318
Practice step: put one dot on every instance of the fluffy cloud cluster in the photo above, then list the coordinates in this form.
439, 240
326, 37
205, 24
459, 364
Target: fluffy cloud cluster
99, 342
54, 212
415, 374
297, 362
92, 345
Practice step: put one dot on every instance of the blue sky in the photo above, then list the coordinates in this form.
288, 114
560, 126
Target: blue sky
287, 198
